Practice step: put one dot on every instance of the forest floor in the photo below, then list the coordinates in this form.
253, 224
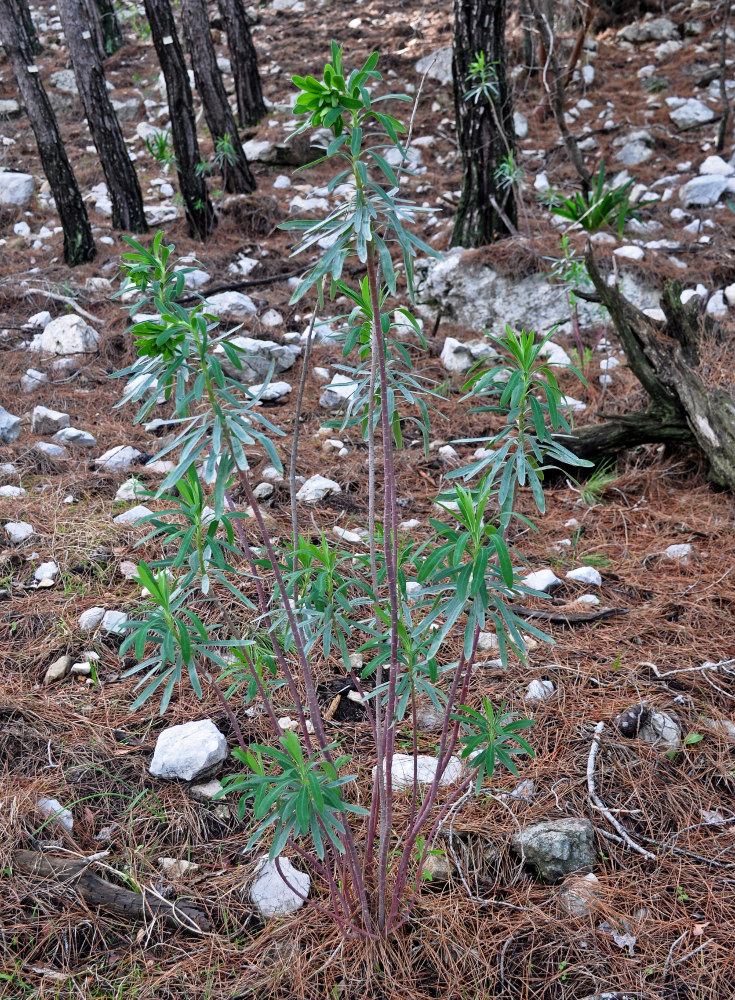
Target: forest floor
663, 927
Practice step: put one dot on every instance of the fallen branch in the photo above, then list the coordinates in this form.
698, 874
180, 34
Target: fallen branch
95, 891
66, 299
599, 804
237, 286
562, 618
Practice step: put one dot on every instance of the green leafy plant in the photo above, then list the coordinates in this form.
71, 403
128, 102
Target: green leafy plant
484, 79
602, 206
306, 599
161, 149
593, 489
509, 174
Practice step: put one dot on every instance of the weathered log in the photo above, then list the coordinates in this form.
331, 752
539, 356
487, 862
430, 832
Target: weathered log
75, 874
683, 409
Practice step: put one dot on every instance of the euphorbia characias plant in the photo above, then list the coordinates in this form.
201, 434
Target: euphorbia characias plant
301, 598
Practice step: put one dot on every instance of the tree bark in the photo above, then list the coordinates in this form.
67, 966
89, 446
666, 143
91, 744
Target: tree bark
75, 874
487, 209
236, 173
724, 97
30, 26
122, 181
78, 242
683, 409
244, 60
112, 36
197, 206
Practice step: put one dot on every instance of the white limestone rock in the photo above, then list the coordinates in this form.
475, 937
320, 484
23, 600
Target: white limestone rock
66, 335
271, 895
316, 488
131, 489
75, 437
18, 531
90, 619
544, 580
458, 357
426, 767
230, 304
118, 459
52, 809
114, 622
341, 389
272, 392
133, 515
692, 112
45, 421
46, 571
679, 552
703, 192
188, 751
539, 691
256, 358
15, 189
9, 426
437, 65
32, 380
585, 574
57, 670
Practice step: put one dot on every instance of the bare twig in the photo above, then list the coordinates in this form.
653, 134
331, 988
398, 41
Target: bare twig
597, 801
66, 299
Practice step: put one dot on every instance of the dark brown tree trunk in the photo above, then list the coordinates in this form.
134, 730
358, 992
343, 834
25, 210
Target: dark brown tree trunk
197, 206
487, 208
112, 36
93, 27
30, 26
244, 60
78, 242
228, 149
683, 408
122, 181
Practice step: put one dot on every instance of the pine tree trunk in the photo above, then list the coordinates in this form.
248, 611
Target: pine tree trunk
484, 127
30, 26
220, 119
244, 60
122, 181
93, 25
112, 36
78, 242
683, 408
197, 206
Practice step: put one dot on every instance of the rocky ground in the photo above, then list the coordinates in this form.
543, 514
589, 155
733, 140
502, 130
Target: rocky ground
652, 542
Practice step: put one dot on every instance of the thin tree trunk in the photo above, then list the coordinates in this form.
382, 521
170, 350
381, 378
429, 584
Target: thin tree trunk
93, 25
112, 36
30, 26
197, 206
487, 210
683, 408
553, 77
724, 97
78, 242
122, 181
220, 119
244, 60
